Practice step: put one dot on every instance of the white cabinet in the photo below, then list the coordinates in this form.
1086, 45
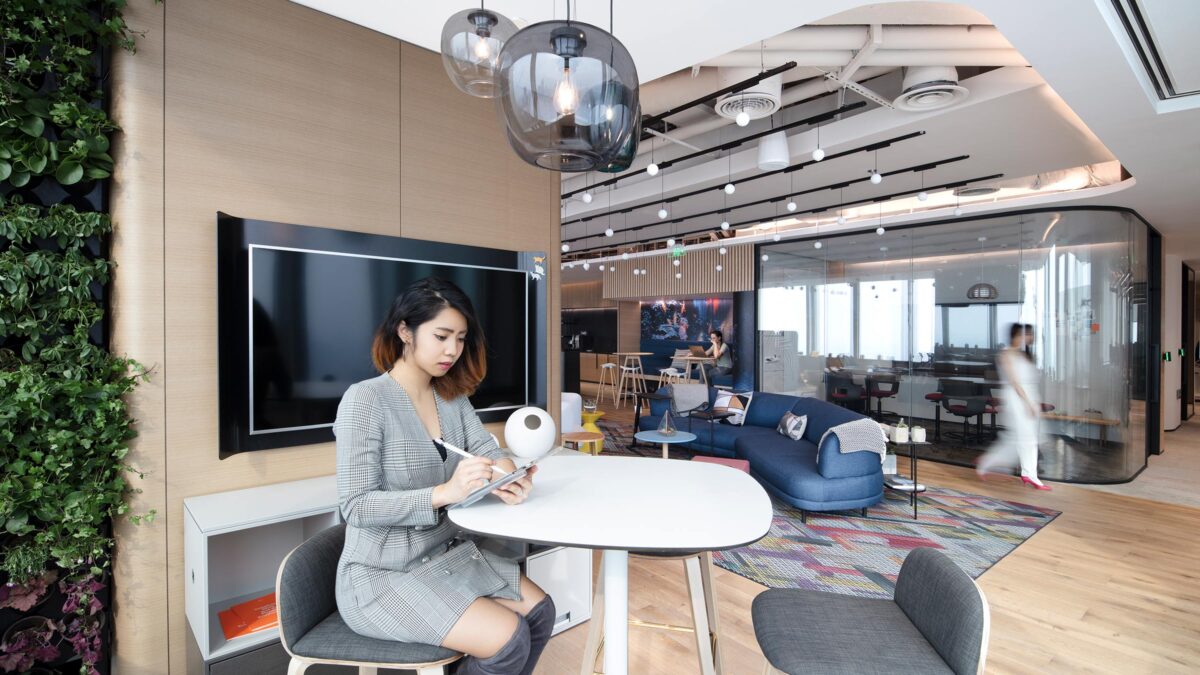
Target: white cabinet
233, 543
566, 575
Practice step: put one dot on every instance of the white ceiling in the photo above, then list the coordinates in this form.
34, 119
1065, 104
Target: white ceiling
1077, 46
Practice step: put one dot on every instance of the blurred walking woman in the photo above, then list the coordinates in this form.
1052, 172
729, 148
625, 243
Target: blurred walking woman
1020, 405
406, 573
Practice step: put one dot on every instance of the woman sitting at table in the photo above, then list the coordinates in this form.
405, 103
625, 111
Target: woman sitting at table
406, 572
719, 351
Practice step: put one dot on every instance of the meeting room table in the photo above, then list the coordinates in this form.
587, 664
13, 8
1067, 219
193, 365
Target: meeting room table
632, 504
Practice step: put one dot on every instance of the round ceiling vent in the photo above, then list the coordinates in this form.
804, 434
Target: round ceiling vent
930, 88
757, 101
976, 191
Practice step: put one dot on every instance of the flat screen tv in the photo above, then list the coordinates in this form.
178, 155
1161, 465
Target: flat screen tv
298, 308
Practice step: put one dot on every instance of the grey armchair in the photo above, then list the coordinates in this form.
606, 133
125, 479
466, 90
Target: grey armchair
938, 622
311, 629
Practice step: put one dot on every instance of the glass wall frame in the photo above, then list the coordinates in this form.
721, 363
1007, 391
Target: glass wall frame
908, 305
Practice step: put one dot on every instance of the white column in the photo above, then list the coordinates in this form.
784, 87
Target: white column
616, 612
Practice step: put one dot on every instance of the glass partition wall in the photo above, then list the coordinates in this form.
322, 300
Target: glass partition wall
908, 324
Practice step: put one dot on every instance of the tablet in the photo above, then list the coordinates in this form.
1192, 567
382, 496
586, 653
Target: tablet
487, 489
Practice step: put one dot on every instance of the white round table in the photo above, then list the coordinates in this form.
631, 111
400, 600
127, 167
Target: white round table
631, 504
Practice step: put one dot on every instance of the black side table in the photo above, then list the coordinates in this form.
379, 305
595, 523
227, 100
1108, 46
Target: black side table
713, 416
912, 473
637, 411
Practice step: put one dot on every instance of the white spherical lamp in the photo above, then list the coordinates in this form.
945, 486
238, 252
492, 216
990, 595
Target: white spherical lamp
922, 195
876, 178
608, 232
652, 169
818, 154
730, 188
566, 247
724, 225
586, 197
742, 119
530, 433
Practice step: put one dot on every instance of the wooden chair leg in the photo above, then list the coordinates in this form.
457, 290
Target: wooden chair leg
699, 615
621, 389
710, 601
595, 638
297, 667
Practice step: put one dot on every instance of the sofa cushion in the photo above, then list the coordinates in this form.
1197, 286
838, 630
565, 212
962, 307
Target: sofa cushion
734, 403
792, 425
767, 408
821, 416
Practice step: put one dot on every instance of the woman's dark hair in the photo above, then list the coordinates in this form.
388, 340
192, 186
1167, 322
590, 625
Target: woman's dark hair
1022, 329
719, 334
419, 303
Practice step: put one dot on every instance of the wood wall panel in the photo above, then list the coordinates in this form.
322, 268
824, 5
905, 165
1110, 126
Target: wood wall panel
698, 267
629, 326
137, 310
585, 294
267, 109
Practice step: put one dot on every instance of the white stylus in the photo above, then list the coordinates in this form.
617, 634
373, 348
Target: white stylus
468, 455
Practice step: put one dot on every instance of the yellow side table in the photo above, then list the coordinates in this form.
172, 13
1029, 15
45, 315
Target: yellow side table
589, 424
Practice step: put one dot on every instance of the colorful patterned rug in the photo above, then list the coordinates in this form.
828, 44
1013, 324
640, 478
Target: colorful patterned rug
848, 554
845, 553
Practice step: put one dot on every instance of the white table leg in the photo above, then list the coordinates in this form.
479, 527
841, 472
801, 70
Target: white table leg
664, 451
616, 612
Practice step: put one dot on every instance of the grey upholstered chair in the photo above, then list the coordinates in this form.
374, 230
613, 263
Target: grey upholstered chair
313, 632
937, 623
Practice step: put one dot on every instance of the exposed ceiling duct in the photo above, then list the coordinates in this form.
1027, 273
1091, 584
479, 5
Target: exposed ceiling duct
929, 88
758, 101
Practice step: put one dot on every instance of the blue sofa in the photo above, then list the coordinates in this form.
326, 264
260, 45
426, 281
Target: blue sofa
791, 470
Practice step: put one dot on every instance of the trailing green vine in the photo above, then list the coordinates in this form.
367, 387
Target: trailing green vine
64, 424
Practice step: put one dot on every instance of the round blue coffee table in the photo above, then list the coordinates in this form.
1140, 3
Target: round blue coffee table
655, 437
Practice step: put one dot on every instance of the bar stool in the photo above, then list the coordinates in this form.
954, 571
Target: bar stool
698, 569
669, 376
608, 375
631, 371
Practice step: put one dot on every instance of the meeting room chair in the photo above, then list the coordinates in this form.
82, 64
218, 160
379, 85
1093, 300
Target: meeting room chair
879, 387
937, 621
313, 632
964, 399
841, 390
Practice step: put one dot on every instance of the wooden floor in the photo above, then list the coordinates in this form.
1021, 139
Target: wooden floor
1111, 586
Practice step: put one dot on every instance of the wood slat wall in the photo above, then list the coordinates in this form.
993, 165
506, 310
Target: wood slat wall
270, 110
698, 267
585, 294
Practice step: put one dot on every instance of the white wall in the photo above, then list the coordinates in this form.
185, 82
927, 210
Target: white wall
1172, 339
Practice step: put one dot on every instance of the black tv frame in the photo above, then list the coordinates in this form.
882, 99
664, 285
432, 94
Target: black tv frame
236, 235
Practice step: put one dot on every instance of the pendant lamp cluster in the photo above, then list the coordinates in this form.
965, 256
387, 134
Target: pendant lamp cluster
567, 91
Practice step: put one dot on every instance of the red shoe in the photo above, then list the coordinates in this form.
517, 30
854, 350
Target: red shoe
1034, 484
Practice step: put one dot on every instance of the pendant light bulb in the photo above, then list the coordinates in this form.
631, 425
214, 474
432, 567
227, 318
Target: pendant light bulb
662, 213
566, 247
601, 267
652, 169
565, 96
791, 205
765, 257
816, 244
730, 188
586, 266
818, 154
675, 262
776, 237
608, 232
957, 211
625, 256
722, 250
586, 197
742, 119
724, 225
922, 195
876, 178
670, 242
879, 230
679, 275
841, 219
483, 52
719, 268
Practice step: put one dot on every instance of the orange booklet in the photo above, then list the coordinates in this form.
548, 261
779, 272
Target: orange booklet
249, 617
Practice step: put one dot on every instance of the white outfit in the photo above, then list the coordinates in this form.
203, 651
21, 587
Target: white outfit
1018, 442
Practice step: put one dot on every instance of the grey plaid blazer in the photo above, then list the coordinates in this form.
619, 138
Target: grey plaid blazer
404, 573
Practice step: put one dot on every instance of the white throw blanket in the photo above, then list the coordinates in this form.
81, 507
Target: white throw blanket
857, 436
688, 397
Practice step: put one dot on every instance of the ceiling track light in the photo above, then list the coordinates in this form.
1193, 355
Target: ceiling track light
791, 169
659, 166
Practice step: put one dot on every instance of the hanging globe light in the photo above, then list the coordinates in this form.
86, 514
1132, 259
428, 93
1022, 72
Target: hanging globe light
471, 44
568, 95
